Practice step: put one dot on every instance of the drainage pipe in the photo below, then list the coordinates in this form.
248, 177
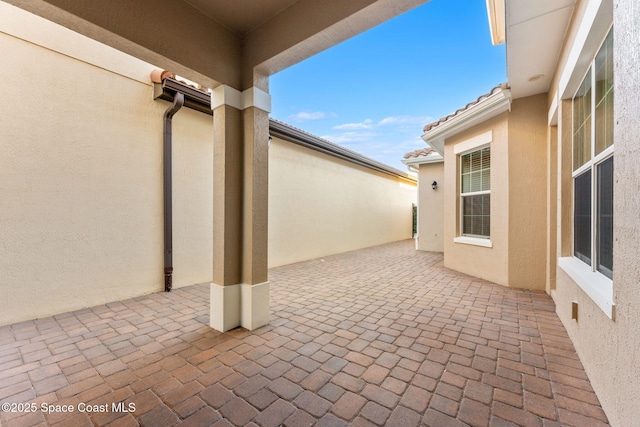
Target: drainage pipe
178, 102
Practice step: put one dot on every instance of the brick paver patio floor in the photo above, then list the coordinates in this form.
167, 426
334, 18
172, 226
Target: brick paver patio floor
380, 336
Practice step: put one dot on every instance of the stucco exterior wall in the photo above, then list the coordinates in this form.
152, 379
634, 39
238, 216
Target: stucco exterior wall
552, 209
81, 175
81, 181
487, 263
192, 197
622, 386
527, 192
430, 207
517, 257
321, 205
610, 348
564, 180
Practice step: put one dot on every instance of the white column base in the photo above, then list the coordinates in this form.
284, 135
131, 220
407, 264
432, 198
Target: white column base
224, 307
255, 305
238, 305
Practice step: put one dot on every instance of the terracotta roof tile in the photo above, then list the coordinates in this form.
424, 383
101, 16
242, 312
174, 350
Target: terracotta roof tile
419, 153
466, 107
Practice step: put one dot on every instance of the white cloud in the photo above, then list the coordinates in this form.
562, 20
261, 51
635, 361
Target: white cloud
304, 116
366, 124
386, 140
347, 137
387, 121
405, 120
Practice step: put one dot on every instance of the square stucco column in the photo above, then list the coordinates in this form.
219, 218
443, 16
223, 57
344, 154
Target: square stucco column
239, 293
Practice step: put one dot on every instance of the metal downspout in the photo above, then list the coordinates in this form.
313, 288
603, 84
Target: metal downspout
178, 102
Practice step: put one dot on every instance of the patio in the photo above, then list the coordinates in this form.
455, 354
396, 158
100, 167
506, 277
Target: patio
379, 336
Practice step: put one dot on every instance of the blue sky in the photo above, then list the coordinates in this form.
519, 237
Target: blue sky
375, 92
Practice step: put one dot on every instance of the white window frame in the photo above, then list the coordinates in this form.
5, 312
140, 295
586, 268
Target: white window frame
595, 284
476, 143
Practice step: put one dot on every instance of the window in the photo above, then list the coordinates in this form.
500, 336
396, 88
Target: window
593, 164
475, 186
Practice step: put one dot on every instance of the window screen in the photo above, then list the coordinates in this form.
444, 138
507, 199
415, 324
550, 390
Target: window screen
582, 217
605, 217
475, 189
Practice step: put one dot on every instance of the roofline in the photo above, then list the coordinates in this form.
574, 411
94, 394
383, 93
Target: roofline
433, 157
497, 26
201, 101
496, 103
302, 138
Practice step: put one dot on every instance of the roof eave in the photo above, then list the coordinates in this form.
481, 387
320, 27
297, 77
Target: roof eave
495, 104
422, 160
496, 15
297, 136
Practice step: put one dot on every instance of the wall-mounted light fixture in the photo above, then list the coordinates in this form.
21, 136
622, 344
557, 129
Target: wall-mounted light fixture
434, 185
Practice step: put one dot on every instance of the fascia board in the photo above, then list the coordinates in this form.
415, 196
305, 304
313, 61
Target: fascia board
488, 108
496, 15
423, 160
436, 143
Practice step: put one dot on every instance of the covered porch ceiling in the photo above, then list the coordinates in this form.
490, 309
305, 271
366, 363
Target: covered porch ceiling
220, 42
534, 34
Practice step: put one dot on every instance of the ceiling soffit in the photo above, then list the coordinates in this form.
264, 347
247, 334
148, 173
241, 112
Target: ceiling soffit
241, 16
220, 42
535, 33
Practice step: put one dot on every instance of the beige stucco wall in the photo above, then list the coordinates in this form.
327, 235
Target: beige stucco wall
192, 197
430, 207
610, 349
81, 179
81, 175
552, 209
321, 205
564, 181
487, 263
527, 192
517, 257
